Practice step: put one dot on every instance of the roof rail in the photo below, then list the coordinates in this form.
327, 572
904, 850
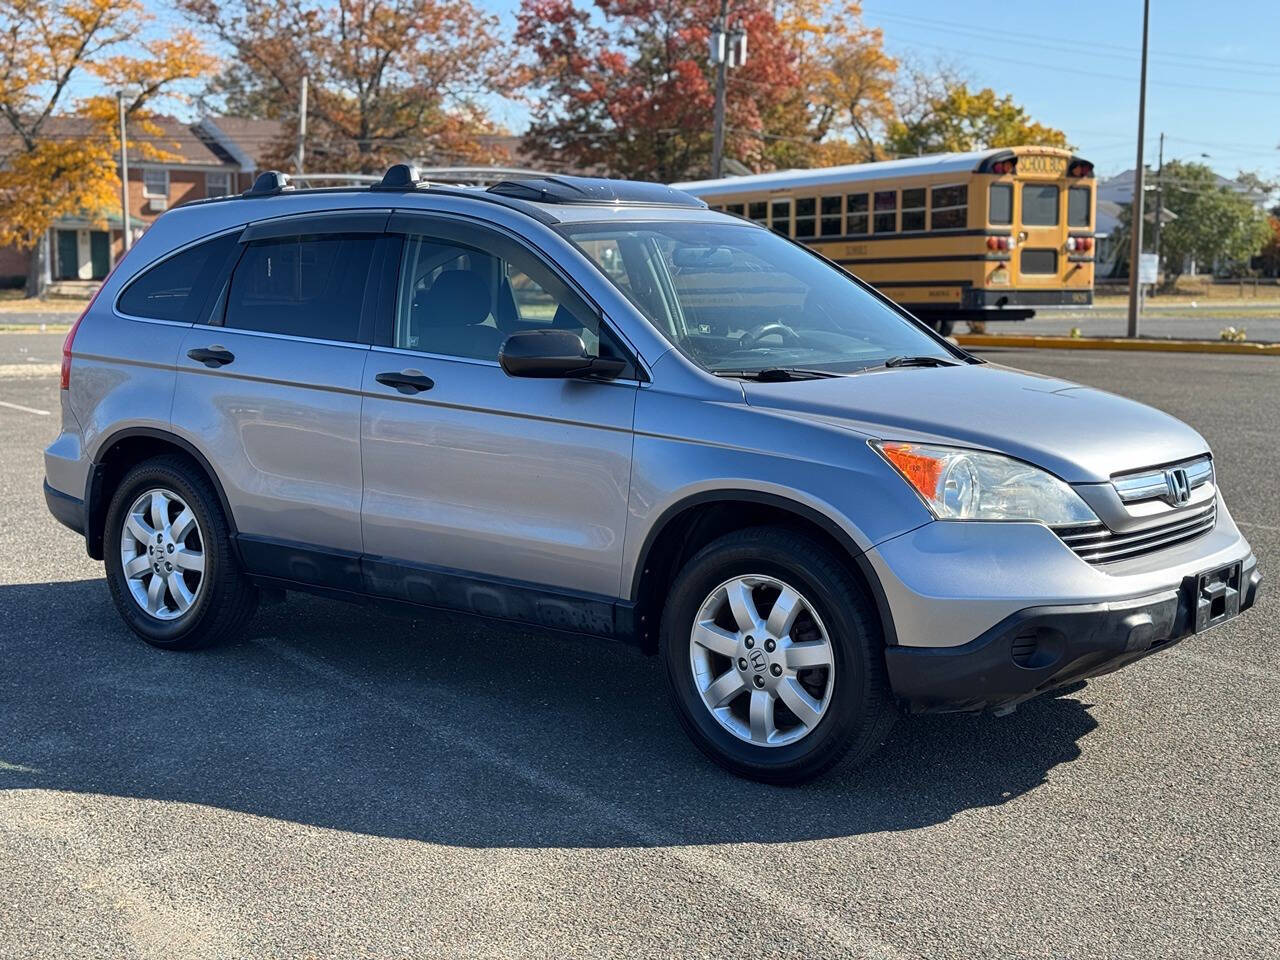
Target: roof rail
269, 184
594, 190
400, 177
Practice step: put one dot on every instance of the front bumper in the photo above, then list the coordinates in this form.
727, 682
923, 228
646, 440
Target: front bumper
1042, 648
988, 614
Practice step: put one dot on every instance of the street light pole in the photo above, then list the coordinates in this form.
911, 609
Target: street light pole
124, 175
1136, 208
302, 128
719, 53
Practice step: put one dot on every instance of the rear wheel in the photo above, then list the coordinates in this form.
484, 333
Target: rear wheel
170, 568
774, 656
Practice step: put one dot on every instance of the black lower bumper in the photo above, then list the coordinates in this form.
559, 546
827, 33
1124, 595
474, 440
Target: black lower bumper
66, 509
1043, 648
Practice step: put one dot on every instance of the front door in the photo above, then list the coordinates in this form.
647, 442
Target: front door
472, 476
68, 266
270, 389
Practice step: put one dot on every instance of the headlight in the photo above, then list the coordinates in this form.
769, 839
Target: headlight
961, 484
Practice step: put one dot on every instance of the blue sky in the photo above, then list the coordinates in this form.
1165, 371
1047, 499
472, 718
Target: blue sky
1213, 75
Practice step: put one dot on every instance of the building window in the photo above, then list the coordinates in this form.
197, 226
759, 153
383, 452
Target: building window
806, 214
913, 209
950, 207
856, 220
217, 184
155, 183
831, 216
886, 207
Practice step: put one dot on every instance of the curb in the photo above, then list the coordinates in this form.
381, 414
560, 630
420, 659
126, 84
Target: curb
1114, 343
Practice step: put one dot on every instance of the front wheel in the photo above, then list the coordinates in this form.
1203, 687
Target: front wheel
774, 657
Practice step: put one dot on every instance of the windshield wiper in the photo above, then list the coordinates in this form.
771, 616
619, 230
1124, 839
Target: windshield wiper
777, 374
924, 361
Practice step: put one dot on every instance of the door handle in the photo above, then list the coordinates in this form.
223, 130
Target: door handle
214, 356
406, 381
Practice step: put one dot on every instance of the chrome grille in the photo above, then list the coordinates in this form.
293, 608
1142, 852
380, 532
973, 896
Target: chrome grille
1097, 543
1154, 483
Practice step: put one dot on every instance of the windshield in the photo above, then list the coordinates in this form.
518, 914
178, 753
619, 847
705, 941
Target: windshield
733, 297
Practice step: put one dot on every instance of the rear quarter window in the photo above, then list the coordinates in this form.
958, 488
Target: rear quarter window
178, 288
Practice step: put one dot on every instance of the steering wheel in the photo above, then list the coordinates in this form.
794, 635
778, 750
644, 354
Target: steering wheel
749, 338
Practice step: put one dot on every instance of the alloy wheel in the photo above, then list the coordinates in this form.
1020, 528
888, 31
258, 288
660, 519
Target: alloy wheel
162, 554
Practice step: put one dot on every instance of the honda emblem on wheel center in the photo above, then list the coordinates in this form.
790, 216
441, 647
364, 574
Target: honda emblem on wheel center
758, 661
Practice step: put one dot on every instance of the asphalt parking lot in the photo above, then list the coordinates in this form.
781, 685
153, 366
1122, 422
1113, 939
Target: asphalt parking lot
346, 783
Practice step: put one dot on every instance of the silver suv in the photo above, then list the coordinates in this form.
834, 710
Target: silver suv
601, 407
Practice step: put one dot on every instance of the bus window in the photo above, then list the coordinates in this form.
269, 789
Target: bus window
1078, 207
831, 216
1039, 205
1000, 204
734, 208
806, 217
886, 219
759, 212
913, 209
856, 222
780, 217
950, 208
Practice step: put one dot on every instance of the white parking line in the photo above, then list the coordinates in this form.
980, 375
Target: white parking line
850, 940
18, 406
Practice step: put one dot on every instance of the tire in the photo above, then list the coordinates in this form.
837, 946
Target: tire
219, 602
944, 327
857, 707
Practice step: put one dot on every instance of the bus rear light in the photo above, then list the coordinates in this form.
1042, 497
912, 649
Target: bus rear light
1081, 168
1005, 166
999, 243
1079, 244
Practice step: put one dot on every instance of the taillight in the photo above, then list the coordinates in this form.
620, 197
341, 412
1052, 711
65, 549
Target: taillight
1004, 166
999, 243
1079, 244
1081, 168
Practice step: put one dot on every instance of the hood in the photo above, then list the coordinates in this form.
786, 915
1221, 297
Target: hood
1081, 434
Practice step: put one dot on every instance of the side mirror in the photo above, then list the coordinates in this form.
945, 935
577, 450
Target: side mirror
555, 354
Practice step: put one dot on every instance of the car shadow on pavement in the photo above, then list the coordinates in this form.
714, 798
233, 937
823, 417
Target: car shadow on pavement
448, 730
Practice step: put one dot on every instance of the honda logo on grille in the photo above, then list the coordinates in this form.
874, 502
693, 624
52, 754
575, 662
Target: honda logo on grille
1178, 484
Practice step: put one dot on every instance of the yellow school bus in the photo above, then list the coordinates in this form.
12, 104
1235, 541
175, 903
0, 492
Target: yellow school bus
987, 235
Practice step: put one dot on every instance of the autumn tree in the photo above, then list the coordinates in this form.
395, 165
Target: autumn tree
45, 49
937, 112
388, 80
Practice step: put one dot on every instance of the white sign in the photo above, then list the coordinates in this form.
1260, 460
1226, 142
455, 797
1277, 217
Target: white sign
1149, 268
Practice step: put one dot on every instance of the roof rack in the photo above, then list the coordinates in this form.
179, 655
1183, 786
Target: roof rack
399, 178
594, 190
269, 184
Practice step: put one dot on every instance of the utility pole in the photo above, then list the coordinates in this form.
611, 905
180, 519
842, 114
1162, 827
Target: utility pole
1155, 232
1136, 208
719, 58
125, 232
302, 128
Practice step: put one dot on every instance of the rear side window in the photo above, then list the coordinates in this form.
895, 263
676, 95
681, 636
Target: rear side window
302, 286
886, 219
1000, 205
1078, 207
178, 288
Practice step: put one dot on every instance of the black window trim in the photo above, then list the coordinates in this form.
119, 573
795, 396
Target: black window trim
476, 234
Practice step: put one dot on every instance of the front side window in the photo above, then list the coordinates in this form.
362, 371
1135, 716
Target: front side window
913, 209
459, 301
155, 183
949, 207
1000, 205
1078, 207
178, 288
886, 217
733, 297
1039, 205
305, 286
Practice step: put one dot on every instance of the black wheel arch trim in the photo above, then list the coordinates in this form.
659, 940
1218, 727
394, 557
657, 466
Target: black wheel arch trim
95, 504
803, 511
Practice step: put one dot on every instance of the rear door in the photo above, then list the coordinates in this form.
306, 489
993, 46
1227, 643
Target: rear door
269, 389
471, 474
